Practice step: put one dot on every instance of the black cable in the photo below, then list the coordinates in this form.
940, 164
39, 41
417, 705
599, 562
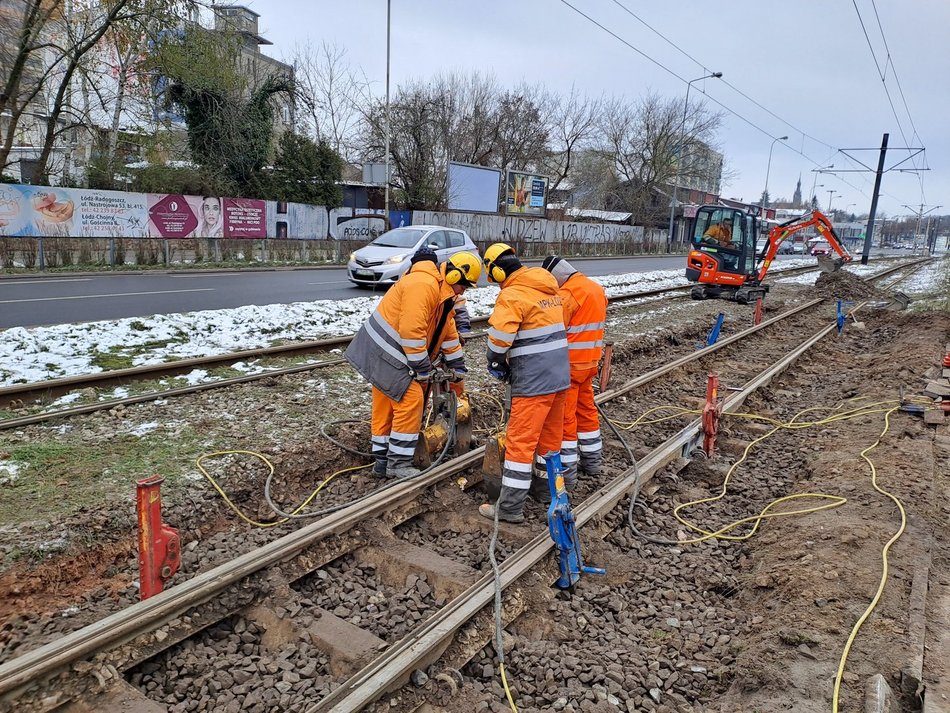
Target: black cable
453, 409
338, 444
636, 490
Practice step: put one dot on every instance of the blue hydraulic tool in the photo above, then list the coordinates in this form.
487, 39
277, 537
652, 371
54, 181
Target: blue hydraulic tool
562, 528
714, 334
842, 313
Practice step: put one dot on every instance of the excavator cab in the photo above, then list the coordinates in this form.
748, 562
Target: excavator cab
722, 255
723, 260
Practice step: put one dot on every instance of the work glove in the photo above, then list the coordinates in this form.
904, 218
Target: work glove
458, 373
422, 376
499, 370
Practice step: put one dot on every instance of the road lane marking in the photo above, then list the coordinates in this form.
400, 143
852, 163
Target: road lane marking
114, 294
332, 282
44, 281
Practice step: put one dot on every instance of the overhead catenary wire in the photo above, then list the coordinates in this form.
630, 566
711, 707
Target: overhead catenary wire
712, 99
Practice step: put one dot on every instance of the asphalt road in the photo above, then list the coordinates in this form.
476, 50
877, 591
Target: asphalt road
30, 301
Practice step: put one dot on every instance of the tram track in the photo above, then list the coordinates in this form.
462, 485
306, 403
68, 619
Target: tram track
26, 680
18, 395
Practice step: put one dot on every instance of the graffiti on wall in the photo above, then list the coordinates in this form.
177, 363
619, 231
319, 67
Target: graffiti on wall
487, 228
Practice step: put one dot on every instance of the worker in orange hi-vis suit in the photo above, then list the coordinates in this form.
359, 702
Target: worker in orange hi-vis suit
527, 346
395, 348
585, 316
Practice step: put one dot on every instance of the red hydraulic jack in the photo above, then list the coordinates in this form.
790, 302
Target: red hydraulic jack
711, 413
159, 545
757, 315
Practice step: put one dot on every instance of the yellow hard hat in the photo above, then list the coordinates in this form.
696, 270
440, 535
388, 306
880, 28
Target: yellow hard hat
463, 267
495, 251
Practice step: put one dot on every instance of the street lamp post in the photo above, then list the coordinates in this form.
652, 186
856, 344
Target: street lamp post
689, 84
768, 169
831, 195
815, 184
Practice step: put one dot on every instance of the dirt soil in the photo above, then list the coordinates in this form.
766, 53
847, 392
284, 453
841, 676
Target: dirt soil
785, 600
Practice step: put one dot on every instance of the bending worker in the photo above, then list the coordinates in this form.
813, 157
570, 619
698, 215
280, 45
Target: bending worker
585, 316
395, 348
527, 346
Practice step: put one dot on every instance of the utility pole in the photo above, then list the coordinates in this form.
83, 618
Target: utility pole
388, 109
869, 231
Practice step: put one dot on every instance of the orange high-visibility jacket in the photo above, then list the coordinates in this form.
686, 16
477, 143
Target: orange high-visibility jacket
585, 316
527, 328
399, 339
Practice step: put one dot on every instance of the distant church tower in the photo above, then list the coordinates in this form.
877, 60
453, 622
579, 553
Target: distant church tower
797, 198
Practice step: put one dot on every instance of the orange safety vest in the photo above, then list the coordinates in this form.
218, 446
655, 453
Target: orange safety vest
585, 316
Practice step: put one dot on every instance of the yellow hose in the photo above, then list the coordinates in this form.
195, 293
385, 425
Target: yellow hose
237, 511
833, 501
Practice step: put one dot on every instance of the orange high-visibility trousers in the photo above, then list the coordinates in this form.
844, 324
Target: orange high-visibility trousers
396, 424
581, 427
534, 427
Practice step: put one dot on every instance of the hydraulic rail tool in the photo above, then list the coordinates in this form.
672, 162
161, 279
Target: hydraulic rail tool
563, 529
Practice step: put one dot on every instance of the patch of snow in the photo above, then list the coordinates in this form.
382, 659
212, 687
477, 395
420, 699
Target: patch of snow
67, 399
144, 428
9, 472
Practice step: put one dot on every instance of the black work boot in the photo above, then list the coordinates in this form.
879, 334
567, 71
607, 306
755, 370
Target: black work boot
379, 468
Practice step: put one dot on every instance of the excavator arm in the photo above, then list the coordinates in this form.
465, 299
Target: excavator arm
781, 232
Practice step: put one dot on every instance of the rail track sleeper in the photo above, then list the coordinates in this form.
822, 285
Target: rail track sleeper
124, 628
402, 658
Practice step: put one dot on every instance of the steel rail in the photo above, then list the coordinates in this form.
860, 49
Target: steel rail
151, 371
33, 667
121, 375
398, 661
143, 617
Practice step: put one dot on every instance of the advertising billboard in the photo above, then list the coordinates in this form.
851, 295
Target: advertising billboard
473, 188
526, 194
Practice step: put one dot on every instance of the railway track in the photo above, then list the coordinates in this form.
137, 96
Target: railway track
20, 394
82, 662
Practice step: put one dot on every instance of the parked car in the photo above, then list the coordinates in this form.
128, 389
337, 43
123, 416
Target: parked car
821, 248
386, 259
786, 248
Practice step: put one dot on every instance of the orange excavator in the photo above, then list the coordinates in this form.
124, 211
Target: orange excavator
724, 262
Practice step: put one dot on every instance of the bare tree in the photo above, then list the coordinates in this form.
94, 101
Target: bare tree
333, 93
650, 144
572, 122
59, 45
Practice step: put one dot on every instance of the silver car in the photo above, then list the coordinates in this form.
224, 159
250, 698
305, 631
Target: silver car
386, 259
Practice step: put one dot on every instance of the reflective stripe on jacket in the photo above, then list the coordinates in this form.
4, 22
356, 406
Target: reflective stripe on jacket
527, 328
585, 316
399, 337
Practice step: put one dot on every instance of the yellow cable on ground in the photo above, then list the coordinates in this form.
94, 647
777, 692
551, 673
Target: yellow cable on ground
884, 552
887, 408
504, 682
270, 466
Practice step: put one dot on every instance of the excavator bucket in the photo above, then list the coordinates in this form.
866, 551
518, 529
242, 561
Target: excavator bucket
827, 263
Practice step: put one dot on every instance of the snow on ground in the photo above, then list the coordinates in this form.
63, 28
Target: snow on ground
41, 353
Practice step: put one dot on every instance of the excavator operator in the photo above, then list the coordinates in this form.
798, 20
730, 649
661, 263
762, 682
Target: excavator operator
721, 234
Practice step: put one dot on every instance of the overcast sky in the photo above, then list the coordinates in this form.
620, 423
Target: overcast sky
808, 63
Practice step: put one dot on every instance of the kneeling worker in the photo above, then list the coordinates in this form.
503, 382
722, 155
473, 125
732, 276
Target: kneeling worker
585, 316
527, 346
395, 348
